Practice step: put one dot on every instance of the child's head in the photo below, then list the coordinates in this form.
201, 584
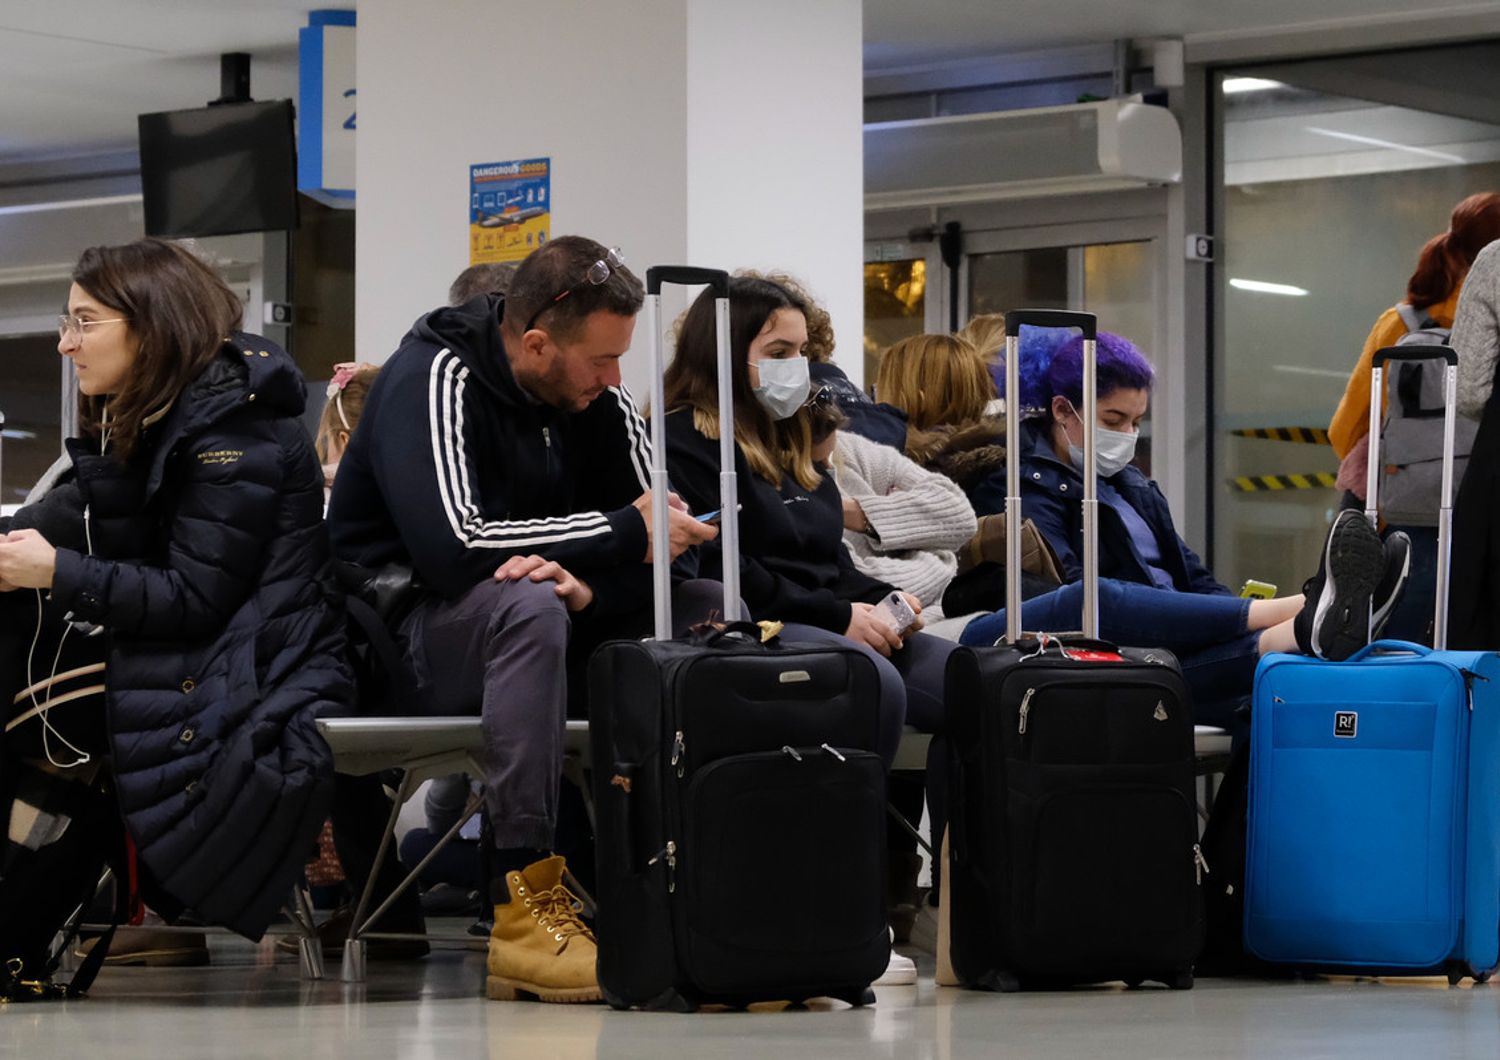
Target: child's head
346, 404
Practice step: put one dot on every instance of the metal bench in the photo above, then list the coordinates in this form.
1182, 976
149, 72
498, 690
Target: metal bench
427, 748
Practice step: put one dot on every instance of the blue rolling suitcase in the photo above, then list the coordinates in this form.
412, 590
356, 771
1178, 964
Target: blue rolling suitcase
1374, 830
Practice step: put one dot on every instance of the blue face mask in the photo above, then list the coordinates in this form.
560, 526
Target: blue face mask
1112, 449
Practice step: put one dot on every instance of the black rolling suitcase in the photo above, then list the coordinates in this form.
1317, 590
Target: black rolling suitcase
740, 801
1073, 835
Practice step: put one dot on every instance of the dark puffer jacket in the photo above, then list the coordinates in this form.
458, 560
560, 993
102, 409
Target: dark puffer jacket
211, 575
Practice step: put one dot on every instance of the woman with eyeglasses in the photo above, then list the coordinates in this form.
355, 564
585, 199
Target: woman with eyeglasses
186, 553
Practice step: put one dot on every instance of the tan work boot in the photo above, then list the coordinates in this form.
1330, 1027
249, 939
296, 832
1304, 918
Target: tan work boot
539, 948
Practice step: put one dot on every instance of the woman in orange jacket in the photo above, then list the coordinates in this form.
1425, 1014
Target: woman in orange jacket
1431, 296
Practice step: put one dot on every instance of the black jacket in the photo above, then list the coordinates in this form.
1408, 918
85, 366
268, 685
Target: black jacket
1052, 497
793, 564
210, 574
453, 469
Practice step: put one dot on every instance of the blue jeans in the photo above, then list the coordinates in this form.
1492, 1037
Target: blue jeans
1208, 635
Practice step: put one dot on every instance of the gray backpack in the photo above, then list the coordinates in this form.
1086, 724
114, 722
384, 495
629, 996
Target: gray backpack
1411, 441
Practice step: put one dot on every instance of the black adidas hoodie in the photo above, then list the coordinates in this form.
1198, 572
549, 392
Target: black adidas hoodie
454, 469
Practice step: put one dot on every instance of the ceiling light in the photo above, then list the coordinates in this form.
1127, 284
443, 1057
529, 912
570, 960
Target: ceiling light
1262, 287
1234, 85
1388, 144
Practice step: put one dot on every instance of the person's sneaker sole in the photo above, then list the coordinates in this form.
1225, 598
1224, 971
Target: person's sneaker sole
901, 971
497, 988
1355, 561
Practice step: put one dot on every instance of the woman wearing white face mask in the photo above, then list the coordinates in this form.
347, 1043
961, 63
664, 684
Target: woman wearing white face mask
794, 566
1218, 636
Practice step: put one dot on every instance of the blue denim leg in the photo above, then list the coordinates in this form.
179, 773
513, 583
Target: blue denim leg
1128, 614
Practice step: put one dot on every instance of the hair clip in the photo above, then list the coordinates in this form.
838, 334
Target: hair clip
342, 373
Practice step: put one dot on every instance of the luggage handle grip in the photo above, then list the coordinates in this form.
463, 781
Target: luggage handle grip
1414, 353
687, 276
1088, 323
1404, 647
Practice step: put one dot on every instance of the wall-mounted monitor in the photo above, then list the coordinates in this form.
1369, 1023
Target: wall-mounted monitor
216, 170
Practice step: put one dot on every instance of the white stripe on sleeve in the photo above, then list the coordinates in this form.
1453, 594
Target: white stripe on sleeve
447, 382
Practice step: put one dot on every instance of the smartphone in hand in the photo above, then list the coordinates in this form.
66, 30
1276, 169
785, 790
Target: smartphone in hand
716, 516
896, 612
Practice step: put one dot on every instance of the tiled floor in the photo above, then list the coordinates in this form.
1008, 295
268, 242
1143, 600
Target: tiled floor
250, 1004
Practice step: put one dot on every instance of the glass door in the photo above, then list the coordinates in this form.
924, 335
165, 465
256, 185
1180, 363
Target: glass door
1331, 188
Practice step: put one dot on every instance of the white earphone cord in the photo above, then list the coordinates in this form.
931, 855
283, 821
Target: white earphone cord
41, 711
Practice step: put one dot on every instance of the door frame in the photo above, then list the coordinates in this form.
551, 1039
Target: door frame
1061, 222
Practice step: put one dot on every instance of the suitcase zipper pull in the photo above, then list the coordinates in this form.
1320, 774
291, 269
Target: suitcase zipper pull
1025, 710
787, 749
1469, 678
679, 749
835, 754
1200, 863
669, 852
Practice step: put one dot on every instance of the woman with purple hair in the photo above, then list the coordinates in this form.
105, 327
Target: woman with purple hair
1154, 590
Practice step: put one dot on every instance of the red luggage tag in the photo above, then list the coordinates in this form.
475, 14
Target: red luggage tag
1094, 655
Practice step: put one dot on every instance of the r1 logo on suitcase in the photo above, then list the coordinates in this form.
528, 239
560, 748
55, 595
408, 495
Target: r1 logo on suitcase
1346, 724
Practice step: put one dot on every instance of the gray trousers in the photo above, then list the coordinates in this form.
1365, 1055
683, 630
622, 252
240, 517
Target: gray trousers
501, 651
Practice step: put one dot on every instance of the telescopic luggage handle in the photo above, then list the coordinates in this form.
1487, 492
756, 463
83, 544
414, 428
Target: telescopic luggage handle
1449, 356
729, 525
1087, 323
1016, 319
687, 276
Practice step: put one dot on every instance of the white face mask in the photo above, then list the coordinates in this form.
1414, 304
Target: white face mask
784, 386
1112, 449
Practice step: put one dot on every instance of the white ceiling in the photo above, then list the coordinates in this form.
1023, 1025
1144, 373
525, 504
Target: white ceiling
75, 73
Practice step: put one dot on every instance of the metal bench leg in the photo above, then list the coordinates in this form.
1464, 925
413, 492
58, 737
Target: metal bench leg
354, 947
904, 823
309, 945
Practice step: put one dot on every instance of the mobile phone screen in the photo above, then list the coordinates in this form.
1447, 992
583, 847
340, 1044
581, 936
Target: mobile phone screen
711, 517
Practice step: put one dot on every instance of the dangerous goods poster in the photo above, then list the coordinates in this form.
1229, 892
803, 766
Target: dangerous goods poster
510, 209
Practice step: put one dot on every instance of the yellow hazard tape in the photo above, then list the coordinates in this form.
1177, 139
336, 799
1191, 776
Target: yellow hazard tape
1315, 480
1305, 435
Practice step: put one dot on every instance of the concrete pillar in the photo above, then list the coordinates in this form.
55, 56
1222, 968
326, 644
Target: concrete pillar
703, 132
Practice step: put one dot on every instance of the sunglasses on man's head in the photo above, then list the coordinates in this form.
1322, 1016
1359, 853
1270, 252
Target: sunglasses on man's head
599, 272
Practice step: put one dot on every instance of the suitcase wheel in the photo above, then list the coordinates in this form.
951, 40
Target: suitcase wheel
998, 981
1180, 981
669, 1000
859, 997
1459, 970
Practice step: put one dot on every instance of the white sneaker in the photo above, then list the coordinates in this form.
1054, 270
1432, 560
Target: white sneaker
901, 971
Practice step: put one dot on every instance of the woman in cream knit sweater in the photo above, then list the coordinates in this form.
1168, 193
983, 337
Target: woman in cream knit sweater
902, 524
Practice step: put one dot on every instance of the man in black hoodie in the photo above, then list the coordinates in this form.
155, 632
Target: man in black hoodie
500, 457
